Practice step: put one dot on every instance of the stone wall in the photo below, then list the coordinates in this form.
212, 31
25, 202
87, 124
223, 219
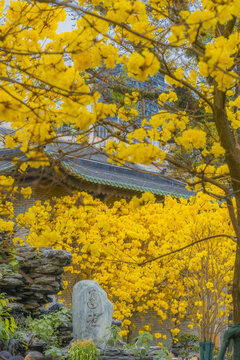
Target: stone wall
36, 277
127, 354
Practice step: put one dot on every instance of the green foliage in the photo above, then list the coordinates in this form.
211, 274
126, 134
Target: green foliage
117, 96
84, 350
43, 327
187, 343
13, 265
112, 339
162, 353
54, 351
46, 327
141, 344
38, 255
7, 322
228, 355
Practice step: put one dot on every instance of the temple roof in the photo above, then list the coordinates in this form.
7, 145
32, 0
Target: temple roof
94, 168
120, 177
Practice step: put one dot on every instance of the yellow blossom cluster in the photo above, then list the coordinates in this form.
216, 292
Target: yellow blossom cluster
140, 66
117, 246
8, 193
141, 153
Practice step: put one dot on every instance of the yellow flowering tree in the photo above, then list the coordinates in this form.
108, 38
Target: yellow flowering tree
48, 81
125, 249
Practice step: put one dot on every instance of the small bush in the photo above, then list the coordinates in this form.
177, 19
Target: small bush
112, 338
84, 350
46, 327
187, 343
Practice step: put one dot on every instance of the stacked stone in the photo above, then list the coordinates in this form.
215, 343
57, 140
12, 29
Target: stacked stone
127, 354
37, 277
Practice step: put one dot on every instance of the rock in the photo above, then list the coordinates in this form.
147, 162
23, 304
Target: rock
45, 280
116, 322
38, 277
14, 346
16, 310
50, 269
36, 355
125, 354
92, 311
54, 308
38, 345
31, 265
118, 354
56, 256
10, 281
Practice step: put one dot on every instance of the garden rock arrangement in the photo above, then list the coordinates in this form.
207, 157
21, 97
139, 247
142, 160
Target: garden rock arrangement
37, 276
31, 279
46, 328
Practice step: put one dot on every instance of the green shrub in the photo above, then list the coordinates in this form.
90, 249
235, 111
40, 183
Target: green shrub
141, 344
7, 322
46, 327
113, 337
83, 350
187, 343
161, 354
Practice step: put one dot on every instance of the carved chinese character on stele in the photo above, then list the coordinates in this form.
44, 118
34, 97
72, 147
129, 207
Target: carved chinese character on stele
92, 311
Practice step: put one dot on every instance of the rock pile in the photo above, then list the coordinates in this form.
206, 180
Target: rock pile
37, 277
127, 354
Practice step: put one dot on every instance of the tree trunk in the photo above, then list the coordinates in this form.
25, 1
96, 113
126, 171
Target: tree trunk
232, 150
236, 301
236, 285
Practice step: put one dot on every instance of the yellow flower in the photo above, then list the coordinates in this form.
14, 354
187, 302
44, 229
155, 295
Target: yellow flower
140, 66
175, 331
26, 192
192, 139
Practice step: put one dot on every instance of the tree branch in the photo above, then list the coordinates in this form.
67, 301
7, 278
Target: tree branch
186, 246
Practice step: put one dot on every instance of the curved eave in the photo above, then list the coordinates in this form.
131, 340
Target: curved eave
7, 168
97, 180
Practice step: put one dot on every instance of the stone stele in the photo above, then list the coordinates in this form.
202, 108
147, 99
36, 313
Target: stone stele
92, 311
